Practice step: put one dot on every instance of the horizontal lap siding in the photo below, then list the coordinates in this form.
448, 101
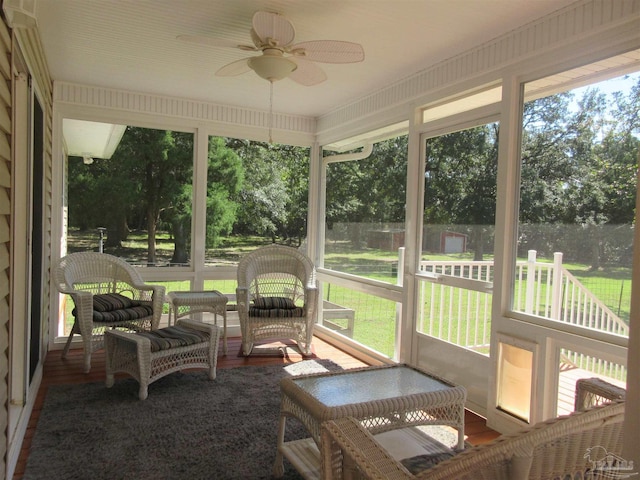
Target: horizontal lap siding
5, 230
32, 50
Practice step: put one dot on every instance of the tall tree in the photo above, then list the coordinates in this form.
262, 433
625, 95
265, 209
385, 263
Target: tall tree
273, 198
295, 178
263, 197
161, 164
225, 178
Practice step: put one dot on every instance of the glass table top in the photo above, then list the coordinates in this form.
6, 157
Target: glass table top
369, 385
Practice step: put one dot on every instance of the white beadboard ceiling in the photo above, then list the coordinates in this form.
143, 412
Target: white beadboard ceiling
132, 45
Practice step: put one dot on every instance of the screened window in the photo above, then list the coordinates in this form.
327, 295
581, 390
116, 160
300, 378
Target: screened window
365, 212
129, 192
456, 265
257, 194
577, 197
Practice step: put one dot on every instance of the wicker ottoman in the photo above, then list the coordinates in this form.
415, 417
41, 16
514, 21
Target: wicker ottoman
148, 356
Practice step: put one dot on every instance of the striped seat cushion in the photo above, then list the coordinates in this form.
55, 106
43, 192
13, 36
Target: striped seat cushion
173, 337
276, 312
269, 303
108, 302
114, 307
134, 313
275, 307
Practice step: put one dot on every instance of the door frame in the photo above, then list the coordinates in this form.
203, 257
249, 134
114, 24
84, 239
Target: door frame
455, 363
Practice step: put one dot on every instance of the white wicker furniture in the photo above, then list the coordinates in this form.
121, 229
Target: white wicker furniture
277, 296
87, 275
595, 391
148, 356
186, 303
578, 446
383, 398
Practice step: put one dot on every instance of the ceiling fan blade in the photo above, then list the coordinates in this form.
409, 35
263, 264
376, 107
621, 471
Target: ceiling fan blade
255, 38
307, 73
234, 68
273, 27
329, 51
212, 41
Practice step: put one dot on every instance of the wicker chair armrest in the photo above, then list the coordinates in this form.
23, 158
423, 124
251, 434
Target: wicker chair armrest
148, 292
595, 391
157, 303
81, 296
311, 298
242, 297
66, 289
346, 444
83, 303
141, 285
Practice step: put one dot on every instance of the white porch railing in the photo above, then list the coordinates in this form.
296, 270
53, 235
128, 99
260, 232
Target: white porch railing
448, 312
551, 291
547, 289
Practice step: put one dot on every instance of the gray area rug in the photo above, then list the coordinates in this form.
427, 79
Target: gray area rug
188, 428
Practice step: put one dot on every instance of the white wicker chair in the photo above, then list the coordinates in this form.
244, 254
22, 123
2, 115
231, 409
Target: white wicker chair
277, 296
89, 277
595, 391
576, 446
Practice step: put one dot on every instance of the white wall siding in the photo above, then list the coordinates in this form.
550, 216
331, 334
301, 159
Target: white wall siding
5, 235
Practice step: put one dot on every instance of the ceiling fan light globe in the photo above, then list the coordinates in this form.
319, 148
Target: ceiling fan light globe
272, 68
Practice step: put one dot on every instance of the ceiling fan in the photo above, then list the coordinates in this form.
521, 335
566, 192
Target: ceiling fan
272, 34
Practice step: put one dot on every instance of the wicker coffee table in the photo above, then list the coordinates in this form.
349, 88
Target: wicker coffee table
383, 398
189, 302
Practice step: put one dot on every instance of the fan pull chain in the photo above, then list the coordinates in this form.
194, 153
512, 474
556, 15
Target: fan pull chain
270, 111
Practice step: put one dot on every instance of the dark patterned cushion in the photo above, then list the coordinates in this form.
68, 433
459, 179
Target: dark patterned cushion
424, 462
173, 337
276, 312
273, 302
108, 302
123, 315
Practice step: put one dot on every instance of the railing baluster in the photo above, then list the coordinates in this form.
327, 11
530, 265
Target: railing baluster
542, 288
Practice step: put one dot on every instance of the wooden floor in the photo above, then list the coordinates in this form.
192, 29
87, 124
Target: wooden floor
68, 371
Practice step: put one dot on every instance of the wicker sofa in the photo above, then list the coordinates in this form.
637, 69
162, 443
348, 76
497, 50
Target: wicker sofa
582, 445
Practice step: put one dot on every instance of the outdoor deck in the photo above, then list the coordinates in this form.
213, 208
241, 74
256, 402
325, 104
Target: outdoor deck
58, 371
569, 375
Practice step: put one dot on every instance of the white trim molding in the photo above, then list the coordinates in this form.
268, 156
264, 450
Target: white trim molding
299, 129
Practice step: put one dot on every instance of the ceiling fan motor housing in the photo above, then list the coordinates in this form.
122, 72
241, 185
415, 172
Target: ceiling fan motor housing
272, 65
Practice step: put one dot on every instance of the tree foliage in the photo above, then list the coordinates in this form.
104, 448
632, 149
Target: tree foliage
273, 200
372, 190
588, 168
460, 181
